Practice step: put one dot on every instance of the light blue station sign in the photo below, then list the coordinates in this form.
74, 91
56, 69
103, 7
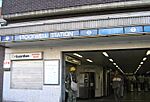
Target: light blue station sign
110, 31
31, 37
76, 33
91, 32
136, 29
146, 28
66, 34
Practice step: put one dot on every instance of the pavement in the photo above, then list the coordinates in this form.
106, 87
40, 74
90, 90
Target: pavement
129, 97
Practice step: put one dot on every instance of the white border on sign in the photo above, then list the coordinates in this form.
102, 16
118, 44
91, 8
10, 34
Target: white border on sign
51, 72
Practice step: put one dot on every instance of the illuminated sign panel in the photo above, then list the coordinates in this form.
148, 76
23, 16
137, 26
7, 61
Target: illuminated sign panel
136, 29
146, 28
31, 37
110, 31
76, 33
7, 38
66, 34
92, 32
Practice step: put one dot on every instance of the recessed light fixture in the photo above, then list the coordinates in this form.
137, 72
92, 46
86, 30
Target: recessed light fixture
141, 62
137, 69
144, 58
148, 52
76, 54
105, 54
111, 60
114, 63
89, 60
121, 70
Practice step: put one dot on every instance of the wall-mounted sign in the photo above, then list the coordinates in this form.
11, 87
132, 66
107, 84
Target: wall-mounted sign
23, 56
72, 60
66, 34
136, 29
7, 64
146, 28
92, 32
7, 38
51, 72
31, 37
110, 31
76, 33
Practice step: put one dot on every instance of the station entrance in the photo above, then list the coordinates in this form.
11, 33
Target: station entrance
94, 71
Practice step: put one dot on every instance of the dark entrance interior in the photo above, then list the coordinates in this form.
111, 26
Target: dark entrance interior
87, 87
133, 64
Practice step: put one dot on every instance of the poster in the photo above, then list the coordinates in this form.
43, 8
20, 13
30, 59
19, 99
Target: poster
51, 72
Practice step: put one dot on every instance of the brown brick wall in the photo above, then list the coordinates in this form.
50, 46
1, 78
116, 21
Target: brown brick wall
19, 6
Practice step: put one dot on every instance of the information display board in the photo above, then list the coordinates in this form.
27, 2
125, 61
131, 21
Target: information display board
51, 72
27, 74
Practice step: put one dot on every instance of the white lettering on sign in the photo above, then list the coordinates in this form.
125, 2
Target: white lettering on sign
61, 34
22, 56
133, 29
89, 32
32, 36
7, 64
66, 34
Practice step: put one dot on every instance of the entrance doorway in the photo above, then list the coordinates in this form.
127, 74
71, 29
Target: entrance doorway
95, 69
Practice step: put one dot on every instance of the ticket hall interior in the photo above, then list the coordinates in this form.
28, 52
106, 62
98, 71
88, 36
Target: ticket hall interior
95, 69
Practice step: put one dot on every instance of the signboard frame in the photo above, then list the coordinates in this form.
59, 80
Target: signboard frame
26, 56
51, 70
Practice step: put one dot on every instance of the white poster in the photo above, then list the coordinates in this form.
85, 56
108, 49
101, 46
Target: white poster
51, 72
7, 64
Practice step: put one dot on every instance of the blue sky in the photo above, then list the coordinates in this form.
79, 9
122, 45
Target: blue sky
0, 3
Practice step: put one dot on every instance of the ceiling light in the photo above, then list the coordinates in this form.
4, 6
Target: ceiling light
135, 72
139, 65
77, 55
121, 70
141, 62
89, 60
111, 60
148, 52
138, 68
114, 63
105, 54
144, 58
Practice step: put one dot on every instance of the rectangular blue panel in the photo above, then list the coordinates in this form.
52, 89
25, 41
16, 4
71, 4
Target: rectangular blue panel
146, 28
110, 31
92, 32
66, 34
136, 29
31, 37
6, 38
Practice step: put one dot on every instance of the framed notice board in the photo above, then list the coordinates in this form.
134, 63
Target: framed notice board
51, 72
